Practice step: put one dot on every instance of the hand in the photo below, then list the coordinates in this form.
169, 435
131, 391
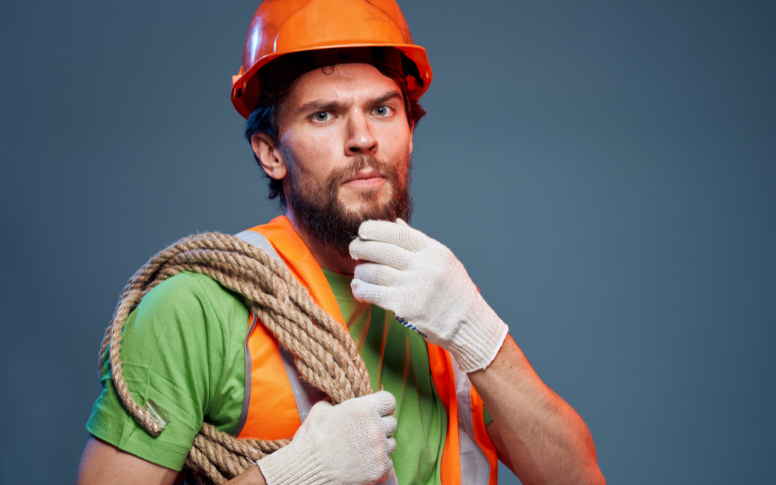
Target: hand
428, 290
346, 444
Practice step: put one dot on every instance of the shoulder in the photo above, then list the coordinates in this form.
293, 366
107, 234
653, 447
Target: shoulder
189, 304
188, 293
185, 287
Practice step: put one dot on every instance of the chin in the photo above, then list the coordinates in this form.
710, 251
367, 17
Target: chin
367, 201
367, 212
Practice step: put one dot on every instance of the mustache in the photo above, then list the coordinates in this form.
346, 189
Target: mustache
360, 163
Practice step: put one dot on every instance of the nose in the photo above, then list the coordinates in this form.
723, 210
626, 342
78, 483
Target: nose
360, 138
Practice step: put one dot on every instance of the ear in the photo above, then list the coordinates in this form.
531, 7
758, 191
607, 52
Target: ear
269, 155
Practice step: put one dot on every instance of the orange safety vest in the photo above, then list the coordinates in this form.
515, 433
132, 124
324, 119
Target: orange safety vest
277, 399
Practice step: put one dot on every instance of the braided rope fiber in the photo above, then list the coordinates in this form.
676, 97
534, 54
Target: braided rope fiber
324, 352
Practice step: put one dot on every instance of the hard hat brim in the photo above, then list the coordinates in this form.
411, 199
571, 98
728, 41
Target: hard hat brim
245, 86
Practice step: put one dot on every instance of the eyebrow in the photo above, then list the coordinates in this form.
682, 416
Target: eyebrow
324, 105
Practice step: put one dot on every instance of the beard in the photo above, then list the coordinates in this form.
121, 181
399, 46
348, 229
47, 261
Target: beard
323, 216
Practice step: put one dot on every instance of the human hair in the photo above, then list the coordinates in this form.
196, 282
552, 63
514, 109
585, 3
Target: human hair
265, 117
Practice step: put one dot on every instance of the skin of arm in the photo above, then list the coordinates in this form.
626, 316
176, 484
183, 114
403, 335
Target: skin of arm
537, 434
103, 463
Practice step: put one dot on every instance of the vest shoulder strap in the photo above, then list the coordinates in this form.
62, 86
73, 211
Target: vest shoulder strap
305, 394
258, 240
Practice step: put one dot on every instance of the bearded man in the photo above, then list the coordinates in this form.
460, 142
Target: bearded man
331, 124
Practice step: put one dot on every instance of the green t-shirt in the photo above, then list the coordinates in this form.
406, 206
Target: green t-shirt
183, 347
397, 359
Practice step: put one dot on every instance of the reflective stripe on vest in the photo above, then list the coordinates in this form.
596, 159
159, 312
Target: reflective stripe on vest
475, 469
305, 394
261, 242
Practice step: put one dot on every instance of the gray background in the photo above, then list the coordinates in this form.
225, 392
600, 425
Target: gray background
605, 170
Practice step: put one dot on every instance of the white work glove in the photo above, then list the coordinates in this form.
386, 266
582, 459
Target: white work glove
428, 290
346, 444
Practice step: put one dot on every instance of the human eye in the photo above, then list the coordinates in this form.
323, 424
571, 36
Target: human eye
321, 116
383, 111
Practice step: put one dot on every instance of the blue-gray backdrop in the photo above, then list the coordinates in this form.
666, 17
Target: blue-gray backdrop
606, 171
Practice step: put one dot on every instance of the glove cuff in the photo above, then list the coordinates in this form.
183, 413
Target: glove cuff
479, 338
289, 466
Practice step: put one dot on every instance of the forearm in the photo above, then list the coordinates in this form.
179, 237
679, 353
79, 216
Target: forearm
546, 440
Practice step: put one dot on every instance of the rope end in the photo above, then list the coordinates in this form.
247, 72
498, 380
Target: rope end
158, 415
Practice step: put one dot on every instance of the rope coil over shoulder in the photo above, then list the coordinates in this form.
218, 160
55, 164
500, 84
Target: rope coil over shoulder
324, 352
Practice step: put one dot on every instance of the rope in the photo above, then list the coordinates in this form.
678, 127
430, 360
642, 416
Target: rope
324, 352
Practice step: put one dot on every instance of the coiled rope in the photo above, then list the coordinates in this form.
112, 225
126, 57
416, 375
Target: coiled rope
324, 352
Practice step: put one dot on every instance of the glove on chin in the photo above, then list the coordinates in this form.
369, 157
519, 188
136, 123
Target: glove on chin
346, 444
428, 290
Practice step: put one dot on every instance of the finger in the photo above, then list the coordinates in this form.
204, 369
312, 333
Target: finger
390, 446
378, 274
380, 252
386, 297
383, 400
400, 235
368, 293
388, 424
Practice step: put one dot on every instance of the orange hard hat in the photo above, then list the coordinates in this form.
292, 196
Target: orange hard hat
300, 35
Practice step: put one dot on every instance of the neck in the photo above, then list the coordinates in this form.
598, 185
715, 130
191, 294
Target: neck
327, 258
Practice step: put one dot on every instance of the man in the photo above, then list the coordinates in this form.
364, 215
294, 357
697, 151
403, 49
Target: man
330, 90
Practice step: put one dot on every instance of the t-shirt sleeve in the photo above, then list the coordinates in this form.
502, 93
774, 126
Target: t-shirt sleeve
172, 351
